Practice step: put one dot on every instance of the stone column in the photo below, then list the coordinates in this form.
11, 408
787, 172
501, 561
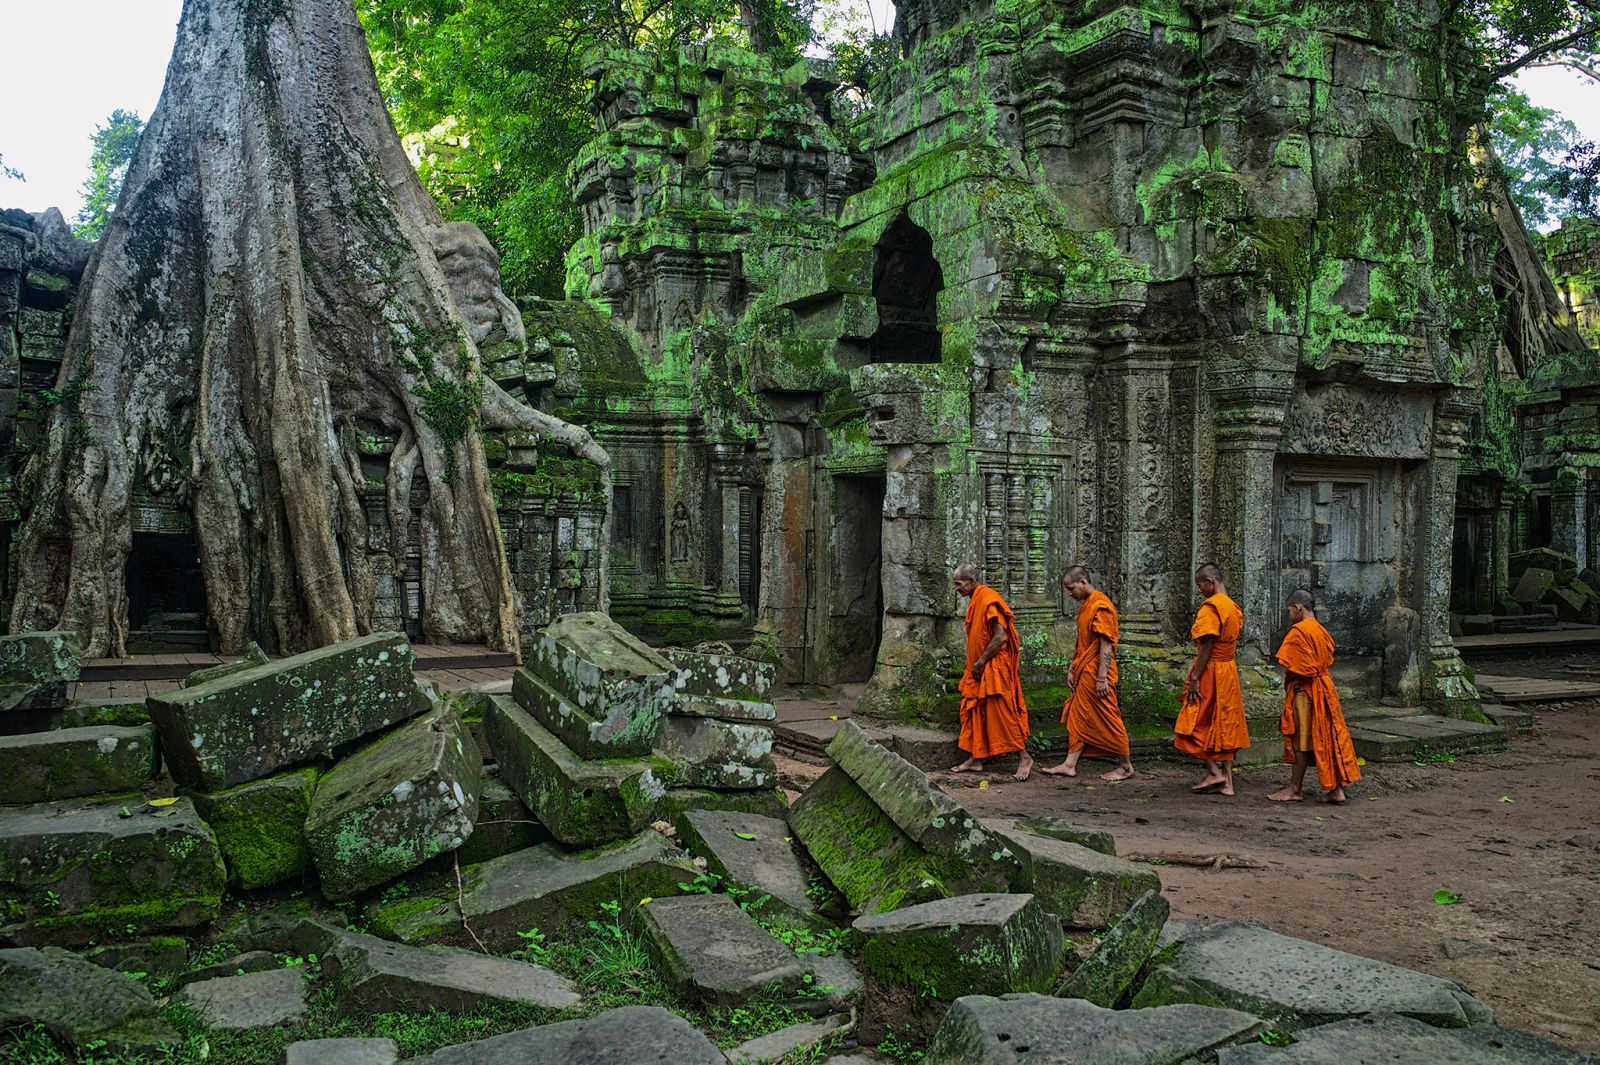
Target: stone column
1248, 420
1445, 687
1500, 559
725, 471
1569, 514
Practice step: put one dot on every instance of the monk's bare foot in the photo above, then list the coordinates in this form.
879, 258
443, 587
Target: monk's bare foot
971, 765
1024, 766
1226, 789
1065, 769
1122, 772
1209, 782
1336, 797
1287, 795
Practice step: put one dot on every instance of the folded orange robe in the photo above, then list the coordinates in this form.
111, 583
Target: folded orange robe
1307, 655
994, 719
1213, 728
1093, 722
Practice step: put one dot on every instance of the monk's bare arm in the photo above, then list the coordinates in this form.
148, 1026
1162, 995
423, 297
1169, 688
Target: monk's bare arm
1202, 658
1102, 685
997, 640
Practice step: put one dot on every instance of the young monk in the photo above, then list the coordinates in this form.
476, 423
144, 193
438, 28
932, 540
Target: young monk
1091, 714
994, 718
1211, 723
1313, 725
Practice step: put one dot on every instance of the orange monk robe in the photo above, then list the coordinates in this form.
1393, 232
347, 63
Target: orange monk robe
1213, 728
994, 719
1094, 722
1307, 655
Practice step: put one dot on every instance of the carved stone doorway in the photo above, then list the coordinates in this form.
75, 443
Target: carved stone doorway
166, 594
855, 609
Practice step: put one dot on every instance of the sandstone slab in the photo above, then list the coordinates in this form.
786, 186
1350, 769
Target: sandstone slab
589, 735
711, 951
254, 1000
776, 1046
768, 802
250, 724
918, 959
504, 825
342, 1052
619, 687
377, 976
77, 1001
720, 677
753, 852
631, 1035
1382, 1039
253, 656
74, 762
543, 887
1083, 887
40, 665
1056, 828
395, 804
71, 874
1106, 976
260, 828
582, 802
874, 864
1295, 983
985, 1030
708, 753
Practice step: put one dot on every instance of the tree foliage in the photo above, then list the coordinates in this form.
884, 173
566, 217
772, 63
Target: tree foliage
10, 172
114, 144
1534, 145
495, 91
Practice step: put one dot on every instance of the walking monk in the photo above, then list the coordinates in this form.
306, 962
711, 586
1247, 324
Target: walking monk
1313, 725
1091, 714
994, 719
1211, 723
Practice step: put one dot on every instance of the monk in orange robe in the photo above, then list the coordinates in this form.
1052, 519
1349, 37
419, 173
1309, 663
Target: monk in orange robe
994, 719
1211, 723
1091, 714
1313, 725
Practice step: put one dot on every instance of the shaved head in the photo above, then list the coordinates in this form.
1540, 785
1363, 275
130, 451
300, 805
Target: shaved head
1074, 574
1208, 572
966, 572
1303, 599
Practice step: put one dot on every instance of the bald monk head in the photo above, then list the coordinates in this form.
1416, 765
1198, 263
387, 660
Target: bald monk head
965, 578
1208, 579
1302, 605
1076, 582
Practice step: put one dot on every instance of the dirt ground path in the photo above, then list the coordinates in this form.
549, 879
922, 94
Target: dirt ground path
1362, 877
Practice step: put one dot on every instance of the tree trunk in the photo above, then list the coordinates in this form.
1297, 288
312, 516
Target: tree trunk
269, 291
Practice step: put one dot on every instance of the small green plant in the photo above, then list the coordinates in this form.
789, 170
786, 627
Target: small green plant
1274, 1038
49, 901
704, 884
899, 1049
533, 947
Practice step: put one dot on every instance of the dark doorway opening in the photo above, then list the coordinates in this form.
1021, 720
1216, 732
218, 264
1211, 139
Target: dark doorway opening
906, 282
1541, 533
166, 594
857, 608
750, 547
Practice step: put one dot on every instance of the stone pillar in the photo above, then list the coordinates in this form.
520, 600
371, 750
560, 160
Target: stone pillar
1500, 558
1248, 420
725, 582
1569, 514
786, 564
1445, 687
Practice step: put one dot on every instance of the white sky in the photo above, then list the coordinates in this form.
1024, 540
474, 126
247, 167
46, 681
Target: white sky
65, 65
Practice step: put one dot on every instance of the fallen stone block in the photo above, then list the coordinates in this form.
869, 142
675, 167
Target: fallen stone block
38, 666
617, 687
864, 853
74, 762
631, 1034
984, 1030
253, 656
923, 811
711, 951
254, 1000
1562, 567
1534, 584
777, 1046
707, 753
927, 749
599, 735
768, 802
1386, 1039
504, 825
1106, 977
581, 802
1295, 983
377, 976
398, 802
919, 959
751, 852
543, 887
250, 724
836, 984
342, 1052
72, 874
153, 954
79, 1002
260, 828
720, 677
1055, 828
1083, 887
251, 961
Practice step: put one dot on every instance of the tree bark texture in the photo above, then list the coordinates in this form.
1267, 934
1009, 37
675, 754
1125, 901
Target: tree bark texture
269, 289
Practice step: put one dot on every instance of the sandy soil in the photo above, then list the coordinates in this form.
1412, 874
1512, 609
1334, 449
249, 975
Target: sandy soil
1516, 835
